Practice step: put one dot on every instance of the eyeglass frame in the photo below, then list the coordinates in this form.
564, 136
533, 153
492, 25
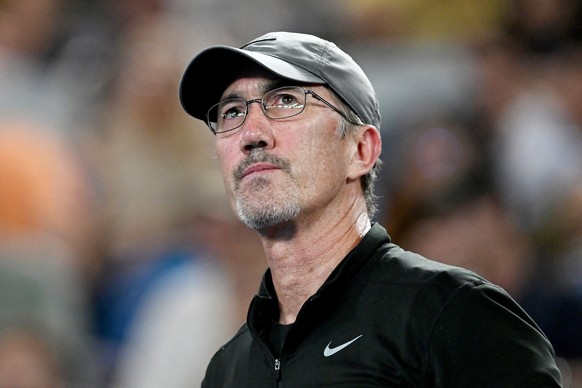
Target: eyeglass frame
264, 108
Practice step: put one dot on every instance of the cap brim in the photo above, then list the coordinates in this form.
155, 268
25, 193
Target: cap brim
211, 71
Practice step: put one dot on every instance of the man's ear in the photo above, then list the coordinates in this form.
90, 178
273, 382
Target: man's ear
368, 146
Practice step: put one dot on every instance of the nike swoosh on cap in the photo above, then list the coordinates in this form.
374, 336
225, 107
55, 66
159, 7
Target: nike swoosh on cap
329, 351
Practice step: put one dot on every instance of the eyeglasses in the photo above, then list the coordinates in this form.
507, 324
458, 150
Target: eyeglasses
277, 104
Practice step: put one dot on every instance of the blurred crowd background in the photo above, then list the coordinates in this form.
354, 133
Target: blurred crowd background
121, 264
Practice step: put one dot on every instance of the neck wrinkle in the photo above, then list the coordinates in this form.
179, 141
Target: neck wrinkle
300, 265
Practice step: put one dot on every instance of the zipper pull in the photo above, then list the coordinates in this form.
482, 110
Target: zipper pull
277, 369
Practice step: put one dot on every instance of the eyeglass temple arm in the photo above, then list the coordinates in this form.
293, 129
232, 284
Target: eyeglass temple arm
318, 97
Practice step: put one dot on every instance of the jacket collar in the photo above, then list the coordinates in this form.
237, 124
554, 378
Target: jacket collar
265, 303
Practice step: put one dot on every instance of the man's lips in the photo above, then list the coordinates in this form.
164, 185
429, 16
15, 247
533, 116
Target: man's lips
258, 167
259, 161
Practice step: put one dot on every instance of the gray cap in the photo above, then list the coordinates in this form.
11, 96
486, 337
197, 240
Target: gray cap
298, 57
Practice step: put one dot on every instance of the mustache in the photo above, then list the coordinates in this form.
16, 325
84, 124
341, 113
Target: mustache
260, 157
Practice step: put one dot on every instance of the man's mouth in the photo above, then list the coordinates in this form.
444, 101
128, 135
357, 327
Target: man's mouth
257, 163
259, 167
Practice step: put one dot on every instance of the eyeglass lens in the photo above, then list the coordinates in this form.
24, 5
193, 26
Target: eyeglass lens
279, 103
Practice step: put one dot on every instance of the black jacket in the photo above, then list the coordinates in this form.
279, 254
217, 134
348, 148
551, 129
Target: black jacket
391, 318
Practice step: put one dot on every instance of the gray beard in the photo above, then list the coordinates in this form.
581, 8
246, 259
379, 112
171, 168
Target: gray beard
266, 210
261, 206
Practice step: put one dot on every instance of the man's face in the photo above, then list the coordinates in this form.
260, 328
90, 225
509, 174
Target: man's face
280, 171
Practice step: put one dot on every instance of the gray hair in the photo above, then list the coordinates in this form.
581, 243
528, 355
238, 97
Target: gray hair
350, 123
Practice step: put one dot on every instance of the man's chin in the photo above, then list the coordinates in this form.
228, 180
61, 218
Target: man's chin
259, 223
266, 216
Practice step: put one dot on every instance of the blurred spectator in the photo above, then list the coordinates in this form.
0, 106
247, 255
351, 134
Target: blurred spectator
249, 19
186, 312
165, 280
422, 20
52, 66
539, 142
27, 361
45, 225
553, 202
28, 32
46, 202
44, 324
156, 167
126, 12
544, 27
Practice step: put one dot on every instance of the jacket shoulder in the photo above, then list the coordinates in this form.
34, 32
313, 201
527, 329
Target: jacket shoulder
394, 264
226, 356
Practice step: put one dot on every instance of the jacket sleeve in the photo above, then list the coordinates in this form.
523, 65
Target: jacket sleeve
483, 338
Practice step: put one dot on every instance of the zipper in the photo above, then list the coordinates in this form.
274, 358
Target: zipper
277, 369
276, 362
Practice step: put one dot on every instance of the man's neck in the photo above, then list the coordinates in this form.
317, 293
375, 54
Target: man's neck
304, 257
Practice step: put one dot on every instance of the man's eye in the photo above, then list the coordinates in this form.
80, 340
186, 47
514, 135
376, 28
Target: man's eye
286, 101
232, 112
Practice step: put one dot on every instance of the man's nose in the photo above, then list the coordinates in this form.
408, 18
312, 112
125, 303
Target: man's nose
256, 130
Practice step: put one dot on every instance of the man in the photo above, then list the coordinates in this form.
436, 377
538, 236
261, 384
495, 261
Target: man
297, 138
